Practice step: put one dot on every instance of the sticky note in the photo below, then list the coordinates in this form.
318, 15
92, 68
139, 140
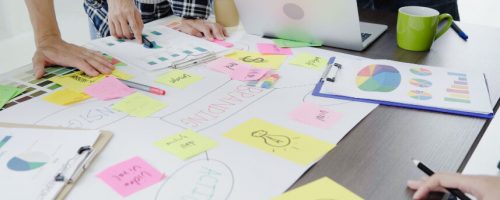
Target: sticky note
65, 97
178, 79
130, 176
294, 44
139, 105
279, 141
315, 115
223, 43
273, 49
108, 88
310, 61
77, 81
323, 188
248, 74
226, 65
258, 60
186, 144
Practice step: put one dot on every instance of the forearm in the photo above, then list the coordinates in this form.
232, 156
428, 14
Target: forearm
43, 20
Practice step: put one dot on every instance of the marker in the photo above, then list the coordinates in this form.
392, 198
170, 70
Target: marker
498, 165
429, 172
147, 43
142, 87
459, 31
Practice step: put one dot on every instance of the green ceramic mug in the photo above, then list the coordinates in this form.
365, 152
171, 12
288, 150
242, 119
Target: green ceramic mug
417, 27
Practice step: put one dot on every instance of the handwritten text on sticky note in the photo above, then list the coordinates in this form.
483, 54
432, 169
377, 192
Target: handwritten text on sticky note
77, 81
310, 61
258, 60
323, 188
315, 115
139, 105
248, 74
179, 79
130, 176
108, 88
282, 142
272, 49
226, 65
186, 144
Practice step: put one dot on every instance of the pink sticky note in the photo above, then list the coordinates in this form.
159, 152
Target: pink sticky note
226, 65
108, 88
223, 43
248, 73
130, 176
273, 49
315, 115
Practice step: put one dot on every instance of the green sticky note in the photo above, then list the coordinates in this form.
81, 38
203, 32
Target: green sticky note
186, 144
8, 92
139, 105
178, 79
294, 44
310, 61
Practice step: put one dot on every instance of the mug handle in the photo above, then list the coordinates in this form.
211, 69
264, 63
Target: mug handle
445, 27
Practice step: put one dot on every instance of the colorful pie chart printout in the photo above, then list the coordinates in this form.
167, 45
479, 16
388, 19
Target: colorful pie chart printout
420, 71
419, 95
378, 78
420, 83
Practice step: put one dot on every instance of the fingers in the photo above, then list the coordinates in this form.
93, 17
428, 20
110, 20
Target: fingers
38, 65
201, 26
188, 29
125, 28
115, 29
137, 25
438, 182
86, 67
218, 31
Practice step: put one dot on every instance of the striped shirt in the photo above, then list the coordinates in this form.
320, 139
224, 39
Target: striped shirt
97, 11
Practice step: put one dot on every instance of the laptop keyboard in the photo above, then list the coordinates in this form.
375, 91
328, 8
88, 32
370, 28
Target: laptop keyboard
365, 36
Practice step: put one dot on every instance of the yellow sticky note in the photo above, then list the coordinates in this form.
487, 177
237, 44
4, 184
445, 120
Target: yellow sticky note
178, 79
76, 81
259, 60
139, 105
323, 188
121, 75
66, 97
309, 60
283, 142
186, 144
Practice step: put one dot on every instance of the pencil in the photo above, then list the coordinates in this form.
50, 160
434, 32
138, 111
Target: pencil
142, 87
429, 172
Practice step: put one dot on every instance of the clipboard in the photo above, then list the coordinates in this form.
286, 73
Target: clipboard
97, 147
337, 67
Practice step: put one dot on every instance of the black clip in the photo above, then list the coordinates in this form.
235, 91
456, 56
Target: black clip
83, 149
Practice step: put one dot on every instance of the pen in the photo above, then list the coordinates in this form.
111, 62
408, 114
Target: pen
429, 172
147, 43
142, 87
459, 31
328, 68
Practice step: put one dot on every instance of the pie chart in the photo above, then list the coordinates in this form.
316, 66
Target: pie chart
378, 78
420, 71
28, 161
419, 95
420, 83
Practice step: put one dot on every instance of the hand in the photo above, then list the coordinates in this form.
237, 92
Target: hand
202, 28
124, 17
481, 187
54, 51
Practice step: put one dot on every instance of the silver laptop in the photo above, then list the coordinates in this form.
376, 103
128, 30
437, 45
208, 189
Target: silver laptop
333, 22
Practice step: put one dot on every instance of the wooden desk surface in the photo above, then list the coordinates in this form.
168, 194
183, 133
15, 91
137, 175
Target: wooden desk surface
373, 160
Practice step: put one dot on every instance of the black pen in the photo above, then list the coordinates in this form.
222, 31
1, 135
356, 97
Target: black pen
459, 31
147, 43
429, 172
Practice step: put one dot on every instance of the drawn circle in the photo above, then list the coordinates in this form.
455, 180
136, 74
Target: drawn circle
293, 11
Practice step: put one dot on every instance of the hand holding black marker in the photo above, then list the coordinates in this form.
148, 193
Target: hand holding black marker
459, 194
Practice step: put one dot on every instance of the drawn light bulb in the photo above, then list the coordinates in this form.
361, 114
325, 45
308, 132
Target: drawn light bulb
272, 140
